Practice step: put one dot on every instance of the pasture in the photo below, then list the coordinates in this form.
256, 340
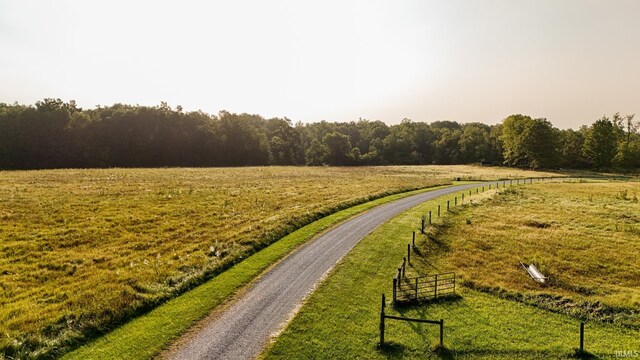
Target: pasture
82, 251
585, 237
493, 317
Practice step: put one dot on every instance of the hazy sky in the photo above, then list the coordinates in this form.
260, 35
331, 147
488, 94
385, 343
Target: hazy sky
476, 60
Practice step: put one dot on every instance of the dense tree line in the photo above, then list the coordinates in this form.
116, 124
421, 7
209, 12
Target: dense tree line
56, 134
609, 143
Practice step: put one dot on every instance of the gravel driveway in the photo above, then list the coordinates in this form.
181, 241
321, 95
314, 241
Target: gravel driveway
242, 330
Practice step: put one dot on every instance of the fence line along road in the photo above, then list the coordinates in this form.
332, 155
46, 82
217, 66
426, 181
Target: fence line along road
242, 330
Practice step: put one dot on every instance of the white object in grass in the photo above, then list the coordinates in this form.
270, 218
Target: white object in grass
534, 273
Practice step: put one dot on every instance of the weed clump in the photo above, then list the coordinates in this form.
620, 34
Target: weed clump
537, 224
622, 194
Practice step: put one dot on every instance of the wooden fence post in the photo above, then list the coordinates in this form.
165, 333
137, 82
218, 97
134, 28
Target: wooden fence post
462, 201
404, 263
395, 281
435, 287
455, 201
582, 336
447, 205
382, 321
429, 217
383, 316
454, 282
438, 210
409, 253
413, 241
422, 224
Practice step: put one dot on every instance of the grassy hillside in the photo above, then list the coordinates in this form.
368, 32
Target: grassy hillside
83, 250
340, 320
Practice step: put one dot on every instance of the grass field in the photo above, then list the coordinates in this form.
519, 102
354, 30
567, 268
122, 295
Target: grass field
83, 250
340, 320
146, 336
584, 236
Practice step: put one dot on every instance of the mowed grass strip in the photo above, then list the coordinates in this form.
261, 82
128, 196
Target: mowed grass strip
341, 318
82, 251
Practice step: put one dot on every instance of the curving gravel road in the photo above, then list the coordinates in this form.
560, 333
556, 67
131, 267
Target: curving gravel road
242, 330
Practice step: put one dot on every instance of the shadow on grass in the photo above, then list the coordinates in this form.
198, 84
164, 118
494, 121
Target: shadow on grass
440, 245
421, 266
416, 250
392, 349
404, 305
520, 353
443, 352
582, 354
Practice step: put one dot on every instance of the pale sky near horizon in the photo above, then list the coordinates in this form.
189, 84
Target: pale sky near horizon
571, 61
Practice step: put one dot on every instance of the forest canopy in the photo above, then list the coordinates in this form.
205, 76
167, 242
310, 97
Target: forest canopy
57, 134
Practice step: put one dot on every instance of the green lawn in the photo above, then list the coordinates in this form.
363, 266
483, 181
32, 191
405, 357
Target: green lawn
340, 319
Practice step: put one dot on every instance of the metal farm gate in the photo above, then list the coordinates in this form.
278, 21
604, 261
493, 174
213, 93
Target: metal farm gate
424, 287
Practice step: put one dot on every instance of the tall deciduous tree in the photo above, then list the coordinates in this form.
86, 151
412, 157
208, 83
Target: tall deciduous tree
529, 142
399, 145
571, 143
474, 143
338, 148
600, 143
317, 153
